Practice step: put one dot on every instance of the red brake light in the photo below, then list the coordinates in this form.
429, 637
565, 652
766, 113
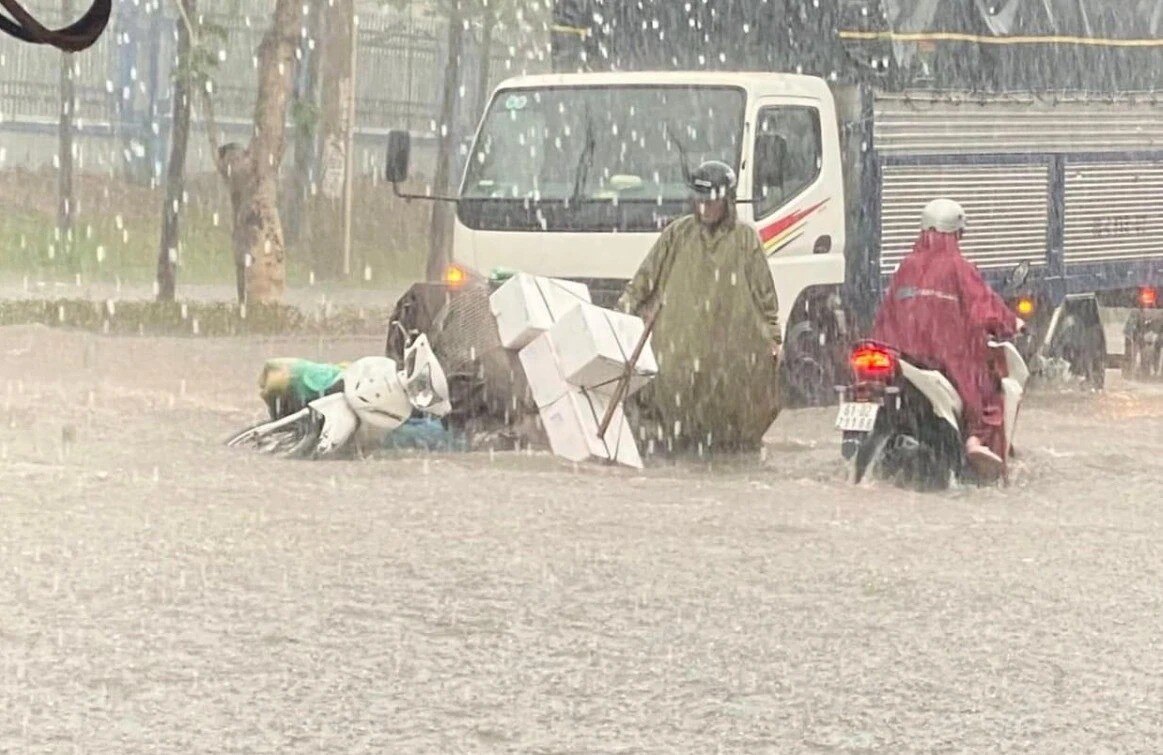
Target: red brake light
1148, 297
873, 363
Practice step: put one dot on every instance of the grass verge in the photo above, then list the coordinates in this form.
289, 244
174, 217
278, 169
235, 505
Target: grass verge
205, 319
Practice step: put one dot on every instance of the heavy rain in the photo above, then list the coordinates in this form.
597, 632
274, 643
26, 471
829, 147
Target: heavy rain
580, 375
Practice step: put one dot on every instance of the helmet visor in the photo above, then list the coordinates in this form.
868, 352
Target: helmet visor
420, 389
706, 190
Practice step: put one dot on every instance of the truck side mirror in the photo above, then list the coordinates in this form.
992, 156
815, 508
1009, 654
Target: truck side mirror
399, 155
1018, 276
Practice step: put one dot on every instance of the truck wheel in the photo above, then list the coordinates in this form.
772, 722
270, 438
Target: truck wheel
1082, 343
1132, 359
1094, 370
808, 371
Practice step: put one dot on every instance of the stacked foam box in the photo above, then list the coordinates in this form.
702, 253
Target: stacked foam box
573, 354
526, 306
594, 345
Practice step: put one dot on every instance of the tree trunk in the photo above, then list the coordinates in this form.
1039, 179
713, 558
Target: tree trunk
176, 167
66, 200
252, 173
334, 124
442, 215
306, 102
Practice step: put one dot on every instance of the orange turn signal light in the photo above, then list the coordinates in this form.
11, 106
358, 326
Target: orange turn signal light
1026, 307
455, 275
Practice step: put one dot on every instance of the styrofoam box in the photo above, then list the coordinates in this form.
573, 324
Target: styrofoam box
593, 345
526, 306
542, 371
571, 424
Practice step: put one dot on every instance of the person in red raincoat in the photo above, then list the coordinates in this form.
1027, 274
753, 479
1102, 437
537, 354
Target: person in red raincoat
940, 311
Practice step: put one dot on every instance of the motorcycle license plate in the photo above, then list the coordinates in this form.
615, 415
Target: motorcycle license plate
857, 417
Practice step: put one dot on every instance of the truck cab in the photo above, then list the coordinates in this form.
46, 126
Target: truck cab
574, 176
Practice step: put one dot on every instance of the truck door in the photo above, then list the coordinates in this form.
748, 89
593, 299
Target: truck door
787, 161
795, 181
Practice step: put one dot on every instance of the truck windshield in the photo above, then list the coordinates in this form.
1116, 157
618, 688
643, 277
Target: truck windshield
568, 151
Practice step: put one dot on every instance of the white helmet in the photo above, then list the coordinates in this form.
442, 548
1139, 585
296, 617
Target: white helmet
944, 216
376, 394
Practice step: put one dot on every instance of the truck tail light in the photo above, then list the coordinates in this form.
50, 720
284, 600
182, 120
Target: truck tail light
1148, 297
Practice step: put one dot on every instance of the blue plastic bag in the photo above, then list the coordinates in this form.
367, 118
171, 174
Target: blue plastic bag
424, 433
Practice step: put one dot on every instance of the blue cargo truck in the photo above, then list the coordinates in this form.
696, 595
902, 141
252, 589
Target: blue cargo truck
1041, 117
839, 137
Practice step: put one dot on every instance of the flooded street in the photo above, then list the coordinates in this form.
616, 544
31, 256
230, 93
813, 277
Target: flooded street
162, 593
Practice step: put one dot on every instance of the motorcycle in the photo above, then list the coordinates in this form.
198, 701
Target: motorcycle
902, 420
372, 398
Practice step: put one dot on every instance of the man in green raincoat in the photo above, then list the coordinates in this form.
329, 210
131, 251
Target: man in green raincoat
716, 335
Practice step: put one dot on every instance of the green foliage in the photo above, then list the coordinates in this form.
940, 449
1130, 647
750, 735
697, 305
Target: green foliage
198, 68
117, 228
206, 319
305, 116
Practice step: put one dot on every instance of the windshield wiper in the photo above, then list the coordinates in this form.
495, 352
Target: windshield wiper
581, 173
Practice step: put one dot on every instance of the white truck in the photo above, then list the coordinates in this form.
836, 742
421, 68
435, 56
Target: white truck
574, 176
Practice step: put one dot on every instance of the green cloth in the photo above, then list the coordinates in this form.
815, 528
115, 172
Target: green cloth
288, 384
310, 380
717, 384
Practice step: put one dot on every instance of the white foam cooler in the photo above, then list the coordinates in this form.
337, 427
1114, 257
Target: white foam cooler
526, 306
542, 371
594, 344
571, 424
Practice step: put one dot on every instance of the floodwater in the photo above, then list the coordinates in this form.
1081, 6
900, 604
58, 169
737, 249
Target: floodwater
161, 593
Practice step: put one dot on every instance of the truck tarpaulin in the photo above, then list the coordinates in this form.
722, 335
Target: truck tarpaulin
1095, 45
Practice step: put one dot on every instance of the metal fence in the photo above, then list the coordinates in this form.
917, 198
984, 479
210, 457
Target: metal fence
123, 83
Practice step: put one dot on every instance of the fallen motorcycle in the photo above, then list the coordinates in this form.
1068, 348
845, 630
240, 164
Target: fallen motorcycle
371, 398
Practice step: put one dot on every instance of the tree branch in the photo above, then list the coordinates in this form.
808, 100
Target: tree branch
213, 135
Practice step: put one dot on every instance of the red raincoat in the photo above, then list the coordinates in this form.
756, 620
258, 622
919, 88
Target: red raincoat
939, 311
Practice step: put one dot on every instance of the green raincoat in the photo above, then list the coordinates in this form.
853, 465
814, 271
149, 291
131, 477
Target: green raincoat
717, 387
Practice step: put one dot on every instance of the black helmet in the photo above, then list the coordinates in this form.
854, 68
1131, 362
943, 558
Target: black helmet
713, 179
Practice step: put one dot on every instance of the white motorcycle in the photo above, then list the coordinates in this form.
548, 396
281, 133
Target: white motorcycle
376, 398
902, 421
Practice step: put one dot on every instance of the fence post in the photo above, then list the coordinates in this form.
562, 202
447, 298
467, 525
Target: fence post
123, 60
151, 128
66, 207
